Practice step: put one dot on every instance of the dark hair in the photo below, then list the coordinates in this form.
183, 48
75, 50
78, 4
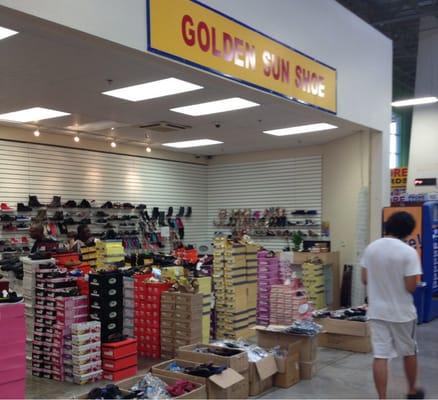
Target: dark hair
400, 225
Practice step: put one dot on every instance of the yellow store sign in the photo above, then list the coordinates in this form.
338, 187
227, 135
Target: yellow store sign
188, 31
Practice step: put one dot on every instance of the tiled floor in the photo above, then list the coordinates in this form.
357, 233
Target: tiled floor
341, 374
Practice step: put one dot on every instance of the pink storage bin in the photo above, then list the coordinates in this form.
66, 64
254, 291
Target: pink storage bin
13, 390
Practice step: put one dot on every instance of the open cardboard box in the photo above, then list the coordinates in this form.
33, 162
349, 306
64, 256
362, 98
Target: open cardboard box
344, 327
308, 347
288, 367
227, 385
261, 375
238, 362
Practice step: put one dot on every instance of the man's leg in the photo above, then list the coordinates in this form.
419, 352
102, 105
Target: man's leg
410, 363
380, 373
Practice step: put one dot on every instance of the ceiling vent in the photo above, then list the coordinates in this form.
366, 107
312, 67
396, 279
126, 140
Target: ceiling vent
164, 126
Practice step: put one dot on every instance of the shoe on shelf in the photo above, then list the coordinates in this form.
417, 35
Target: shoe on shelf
70, 204
9, 228
107, 204
9, 297
58, 216
7, 218
141, 207
56, 202
102, 214
101, 221
85, 221
181, 212
169, 212
109, 226
5, 208
128, 206
84, 204
22, 218
70, 221
21, 207
24, 240
22, 227
155, 213
34, 202
189, 212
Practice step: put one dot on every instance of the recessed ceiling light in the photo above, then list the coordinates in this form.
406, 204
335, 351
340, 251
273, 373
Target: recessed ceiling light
32, 114
5, 33
77, 139
113, 144
36, 133
192, 143
295, 130
414, 102
153, 90
214, 107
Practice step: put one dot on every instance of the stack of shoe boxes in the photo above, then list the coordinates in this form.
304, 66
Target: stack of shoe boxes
128, 306
109, 254
251, 277
268, 275
147, 306
205, 289
86, 359
181, 321
218, 285
314, 282
285, 302
69, 311
51, 285
106, 303
30, 268
119, 359
89, 255
12, 351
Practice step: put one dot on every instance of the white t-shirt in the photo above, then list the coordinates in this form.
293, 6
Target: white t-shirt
388, 261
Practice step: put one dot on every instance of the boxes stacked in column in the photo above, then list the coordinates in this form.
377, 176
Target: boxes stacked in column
128, 306
69, 311
119, 359
205, 289
285, 302
12, 351
147, 316
51, 285
89, 255
251, 279
181, 321
314, 282
30, 267
86, 359
110, 254
106, 303
268, 275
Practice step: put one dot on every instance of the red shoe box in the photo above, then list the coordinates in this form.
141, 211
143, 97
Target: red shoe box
119, 375
109, 365
116, 350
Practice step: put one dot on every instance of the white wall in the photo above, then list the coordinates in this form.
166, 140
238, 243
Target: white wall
423, 160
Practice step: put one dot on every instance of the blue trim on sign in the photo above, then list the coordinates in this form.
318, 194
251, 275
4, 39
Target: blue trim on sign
232, 78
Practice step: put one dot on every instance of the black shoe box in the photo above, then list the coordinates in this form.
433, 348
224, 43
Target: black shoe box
107, 280
106, 294
59, 283
97, 303
107, 315
109, 328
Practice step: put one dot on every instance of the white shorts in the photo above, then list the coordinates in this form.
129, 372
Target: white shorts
392, 339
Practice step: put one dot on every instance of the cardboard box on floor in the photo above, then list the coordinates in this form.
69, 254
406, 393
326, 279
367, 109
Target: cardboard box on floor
199, 393
344, 327
261, 375
288, 368
228, 385
238, 362
308, 346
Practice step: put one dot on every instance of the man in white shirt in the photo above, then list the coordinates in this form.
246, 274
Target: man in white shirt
390, 271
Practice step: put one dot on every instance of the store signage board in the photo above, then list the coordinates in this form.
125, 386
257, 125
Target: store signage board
193, 33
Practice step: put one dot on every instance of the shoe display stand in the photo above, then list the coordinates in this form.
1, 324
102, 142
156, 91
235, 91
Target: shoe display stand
272, 222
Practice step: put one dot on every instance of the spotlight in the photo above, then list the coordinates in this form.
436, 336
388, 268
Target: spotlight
148, 149
76, 139
113, 144
36, 133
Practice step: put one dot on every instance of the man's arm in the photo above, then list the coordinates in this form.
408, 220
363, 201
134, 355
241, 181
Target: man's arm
364, 276
411, 283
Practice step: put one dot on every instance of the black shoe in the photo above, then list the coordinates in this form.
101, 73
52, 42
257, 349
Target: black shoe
102, 214
128, 206
58, 216
63, 229
101, 221
70, 221
70, 204
84, 204
181, 212
169, 212
85, 221
7, 218
141, 207
419, 394
155, 213
189, 212
108, 204
33, 202
22, 227
56, 202
109, 226
21, 207
125, 218
161, 217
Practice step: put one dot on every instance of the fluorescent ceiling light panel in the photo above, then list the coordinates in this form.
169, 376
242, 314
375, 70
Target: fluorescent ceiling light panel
33, 114
192, 143
153, 90
214, 107
415, 102
295, 130
5, 33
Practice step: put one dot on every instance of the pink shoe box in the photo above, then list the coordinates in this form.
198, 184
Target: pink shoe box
13, 390
71, 302
89, 348
12, 369
83, 369
75, 319
58, 369
85, 328
69, 313
58, 377
86, 358
82, 340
